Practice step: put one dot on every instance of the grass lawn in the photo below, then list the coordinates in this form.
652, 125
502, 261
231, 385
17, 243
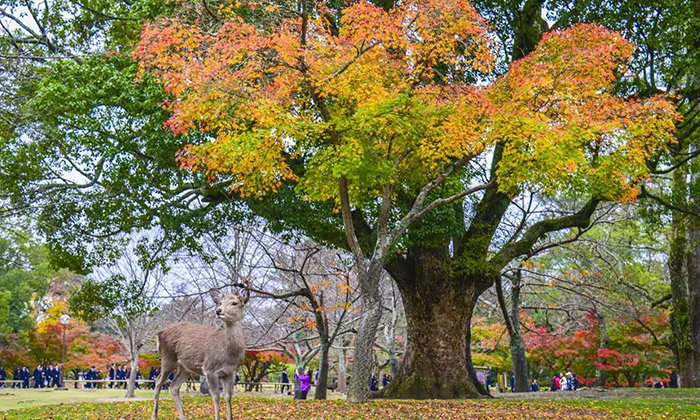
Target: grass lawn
12, 398
612, 405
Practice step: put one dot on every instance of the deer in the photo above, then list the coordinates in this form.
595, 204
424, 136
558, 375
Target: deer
193, 349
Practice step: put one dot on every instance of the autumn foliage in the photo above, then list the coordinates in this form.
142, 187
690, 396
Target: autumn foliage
395, 97
43, 344
257, 364
273, 409
561, 116
632, 353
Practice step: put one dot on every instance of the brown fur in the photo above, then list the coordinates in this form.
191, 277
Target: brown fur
195, 349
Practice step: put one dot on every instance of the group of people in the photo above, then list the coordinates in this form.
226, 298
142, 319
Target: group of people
560, 382
304, 379
48, 377
123, 374
374, 385
118, 377
564, 382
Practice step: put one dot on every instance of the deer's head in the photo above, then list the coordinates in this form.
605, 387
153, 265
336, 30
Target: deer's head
229, 308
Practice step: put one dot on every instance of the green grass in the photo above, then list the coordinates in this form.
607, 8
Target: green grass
659, 408
13, 399
590, 405
653, 408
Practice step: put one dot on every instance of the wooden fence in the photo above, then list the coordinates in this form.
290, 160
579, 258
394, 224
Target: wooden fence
275, 387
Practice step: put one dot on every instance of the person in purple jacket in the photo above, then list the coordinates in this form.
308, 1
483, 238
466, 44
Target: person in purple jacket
304, 384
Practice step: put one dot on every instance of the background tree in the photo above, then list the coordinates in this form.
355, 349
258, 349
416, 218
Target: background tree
319, 292
42, 342
123, 297
667, 59
25, 275
258, 364
391, 342
614, 275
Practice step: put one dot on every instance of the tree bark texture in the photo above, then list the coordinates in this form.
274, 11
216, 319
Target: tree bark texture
364, 347
322, 382
342, 369
134, 364
438, 313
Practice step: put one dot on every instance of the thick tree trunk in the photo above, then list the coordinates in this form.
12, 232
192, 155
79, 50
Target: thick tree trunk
601, 374
434, 365
322, 382
438, 313
678, 270
689, 352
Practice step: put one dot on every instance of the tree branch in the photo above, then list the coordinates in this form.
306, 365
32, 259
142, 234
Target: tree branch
580, 219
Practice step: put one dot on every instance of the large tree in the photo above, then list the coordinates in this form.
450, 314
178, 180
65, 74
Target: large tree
388, 117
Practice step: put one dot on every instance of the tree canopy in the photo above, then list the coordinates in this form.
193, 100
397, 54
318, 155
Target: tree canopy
401, 103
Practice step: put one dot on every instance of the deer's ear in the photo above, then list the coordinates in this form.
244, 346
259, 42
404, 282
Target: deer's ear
245, 295
215, 295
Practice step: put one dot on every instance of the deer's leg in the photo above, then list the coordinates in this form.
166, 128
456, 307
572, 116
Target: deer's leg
166, 368
228, 391
181, 376
213, 380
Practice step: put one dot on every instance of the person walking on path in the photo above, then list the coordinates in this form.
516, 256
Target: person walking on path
569, 381
386, 379
91, 375
38, 377
112, 375
138, 378
25, 376
53, 380
285, 380
564, 383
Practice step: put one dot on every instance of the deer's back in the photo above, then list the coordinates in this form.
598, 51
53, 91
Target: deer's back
188, 343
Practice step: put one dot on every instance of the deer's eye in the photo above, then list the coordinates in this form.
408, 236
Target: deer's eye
234, 303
